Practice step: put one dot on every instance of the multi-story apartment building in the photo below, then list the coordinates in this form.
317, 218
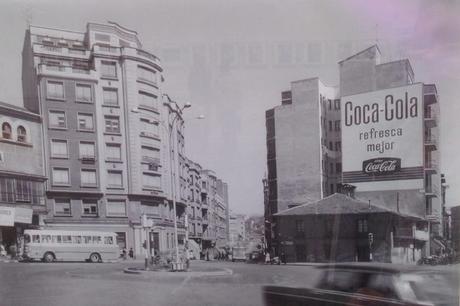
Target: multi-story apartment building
22, 179
197, 209
113, 140
321, 139
237, 228
208, 208
303, 147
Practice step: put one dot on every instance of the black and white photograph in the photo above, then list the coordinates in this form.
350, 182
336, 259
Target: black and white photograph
238, 152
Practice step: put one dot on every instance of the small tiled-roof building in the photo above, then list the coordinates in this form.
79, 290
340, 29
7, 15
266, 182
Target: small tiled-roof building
341, 228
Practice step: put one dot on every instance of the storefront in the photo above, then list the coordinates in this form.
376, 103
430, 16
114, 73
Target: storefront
13, 222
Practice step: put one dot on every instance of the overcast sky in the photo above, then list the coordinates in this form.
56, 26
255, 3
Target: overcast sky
231, 59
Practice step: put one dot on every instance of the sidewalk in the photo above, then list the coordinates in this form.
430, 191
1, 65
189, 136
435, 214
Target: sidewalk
7, 259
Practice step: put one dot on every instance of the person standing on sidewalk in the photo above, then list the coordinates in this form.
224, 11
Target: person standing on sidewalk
146, 255
131, 253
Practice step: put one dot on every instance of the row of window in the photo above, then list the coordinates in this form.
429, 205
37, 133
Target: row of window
86, 149
88, 178
19, 190
333, 125
83, 93
331, 104
114, 208
21, 134
331, 168
58, 119
337, 146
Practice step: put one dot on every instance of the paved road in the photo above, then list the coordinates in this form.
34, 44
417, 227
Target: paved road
105, 284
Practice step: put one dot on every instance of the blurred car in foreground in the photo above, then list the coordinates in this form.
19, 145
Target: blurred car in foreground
355, 284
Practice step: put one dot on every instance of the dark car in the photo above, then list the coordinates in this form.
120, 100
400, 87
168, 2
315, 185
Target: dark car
357, 284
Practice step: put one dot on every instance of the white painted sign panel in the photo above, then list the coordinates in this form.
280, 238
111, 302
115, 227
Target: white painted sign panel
7, 216
382, 139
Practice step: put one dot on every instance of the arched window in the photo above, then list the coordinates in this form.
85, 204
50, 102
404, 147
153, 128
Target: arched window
22, 134
6, 130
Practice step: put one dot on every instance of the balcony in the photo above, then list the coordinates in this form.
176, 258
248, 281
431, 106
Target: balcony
431, 167
106, 50
433, 218
430, 143
430, 119
141, 54
61, 51
431, 191
430, 94
151, 160
331, 153
66, 72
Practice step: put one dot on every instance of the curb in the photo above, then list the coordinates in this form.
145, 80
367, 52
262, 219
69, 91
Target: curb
9, 260
223, 272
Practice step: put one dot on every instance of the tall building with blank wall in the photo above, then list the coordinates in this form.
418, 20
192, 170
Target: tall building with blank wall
322, 139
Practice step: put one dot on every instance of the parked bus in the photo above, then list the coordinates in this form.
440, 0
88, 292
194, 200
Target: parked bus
57, 245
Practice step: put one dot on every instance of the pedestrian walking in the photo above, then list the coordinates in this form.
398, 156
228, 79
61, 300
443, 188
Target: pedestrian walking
124, 253
187, 259
131, 253
146, 255
267, 258
2, 249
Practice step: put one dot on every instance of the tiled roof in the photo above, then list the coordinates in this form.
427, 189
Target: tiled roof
337, 204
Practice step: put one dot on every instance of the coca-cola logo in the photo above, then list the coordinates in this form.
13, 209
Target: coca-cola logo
382, 166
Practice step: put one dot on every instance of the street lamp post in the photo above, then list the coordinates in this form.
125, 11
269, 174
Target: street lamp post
176, 264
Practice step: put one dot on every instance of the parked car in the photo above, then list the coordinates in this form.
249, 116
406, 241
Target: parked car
371, 284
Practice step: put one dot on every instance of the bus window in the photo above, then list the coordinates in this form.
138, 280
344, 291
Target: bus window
96, 239
76, 239
36, 238
56, 239
46, 238
26, 238
86, 239
108, 240
66, 239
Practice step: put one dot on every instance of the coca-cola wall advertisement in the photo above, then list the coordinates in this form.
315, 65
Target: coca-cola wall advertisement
382, 139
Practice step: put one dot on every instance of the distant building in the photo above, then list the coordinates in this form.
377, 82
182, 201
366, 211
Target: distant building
237, 228
22, 172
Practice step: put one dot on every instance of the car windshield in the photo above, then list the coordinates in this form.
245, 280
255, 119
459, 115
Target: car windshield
431, 286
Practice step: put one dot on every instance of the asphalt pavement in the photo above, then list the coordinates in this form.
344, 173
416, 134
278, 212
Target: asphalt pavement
105, 284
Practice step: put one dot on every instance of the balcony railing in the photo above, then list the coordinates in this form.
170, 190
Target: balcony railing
51, 69
64, 51
149, 159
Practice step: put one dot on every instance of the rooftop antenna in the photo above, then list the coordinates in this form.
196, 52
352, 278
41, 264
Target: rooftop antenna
376, 33
28, 14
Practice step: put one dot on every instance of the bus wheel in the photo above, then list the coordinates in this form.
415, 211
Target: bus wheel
95, 257
48, 257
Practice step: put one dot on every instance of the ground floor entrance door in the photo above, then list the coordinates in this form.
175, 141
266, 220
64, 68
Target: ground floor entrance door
154, 242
